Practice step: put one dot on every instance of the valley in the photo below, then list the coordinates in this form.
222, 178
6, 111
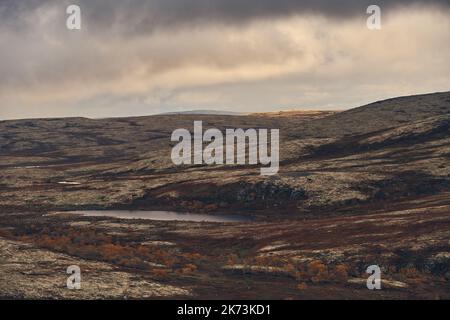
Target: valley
367, 186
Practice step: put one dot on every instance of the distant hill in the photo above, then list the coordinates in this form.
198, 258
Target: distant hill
310, 114
380, 152
379, 115
205, 112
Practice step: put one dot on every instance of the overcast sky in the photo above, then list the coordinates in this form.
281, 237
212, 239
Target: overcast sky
136, 57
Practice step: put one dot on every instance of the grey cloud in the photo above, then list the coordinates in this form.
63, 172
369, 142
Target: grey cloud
127, 60
147, 15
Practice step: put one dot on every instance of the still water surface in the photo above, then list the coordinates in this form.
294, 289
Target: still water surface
163, 216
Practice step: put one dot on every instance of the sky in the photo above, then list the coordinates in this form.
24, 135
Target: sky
136, 57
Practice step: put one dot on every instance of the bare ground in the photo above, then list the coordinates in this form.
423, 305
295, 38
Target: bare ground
357, 188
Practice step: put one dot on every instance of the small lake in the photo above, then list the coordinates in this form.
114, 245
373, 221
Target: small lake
162, 216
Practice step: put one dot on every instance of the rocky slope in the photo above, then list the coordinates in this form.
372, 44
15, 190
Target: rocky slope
328, 160
28, 272
365, 186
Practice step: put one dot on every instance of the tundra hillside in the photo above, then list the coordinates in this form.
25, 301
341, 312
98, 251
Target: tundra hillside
368, 186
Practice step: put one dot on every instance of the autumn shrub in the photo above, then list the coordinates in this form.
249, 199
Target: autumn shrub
113, 252
25, 239
318, 271
5, 233
262, 261
292, 269
410, 273
302, 286
232, 259
46, 242
92, 244
132, 263
144, 252
392, 269
189, 269
87, 251
341, 273
270, 261
160, 254
159, 273
193, 256
169, 261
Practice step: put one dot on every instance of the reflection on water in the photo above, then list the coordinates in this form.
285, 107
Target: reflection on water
163, 216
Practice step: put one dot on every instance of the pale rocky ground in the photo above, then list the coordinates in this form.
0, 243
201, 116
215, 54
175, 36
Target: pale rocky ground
367, 184
32, 273
402, 238
334, 158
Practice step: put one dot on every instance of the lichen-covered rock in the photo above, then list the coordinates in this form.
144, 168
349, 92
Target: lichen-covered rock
30, 273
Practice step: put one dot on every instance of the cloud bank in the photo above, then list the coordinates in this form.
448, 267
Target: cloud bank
144, 57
